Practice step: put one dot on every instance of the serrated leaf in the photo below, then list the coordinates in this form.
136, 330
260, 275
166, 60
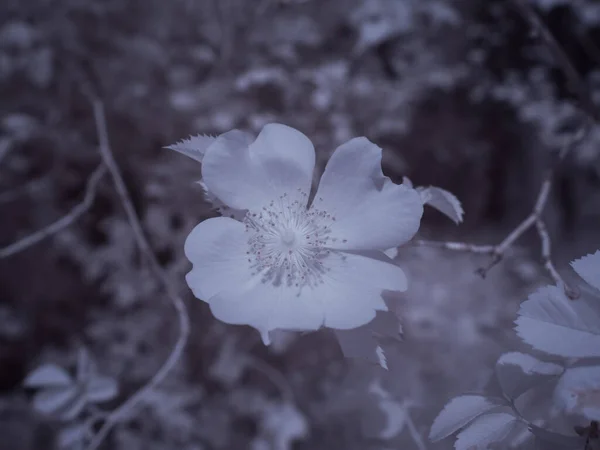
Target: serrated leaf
72, 436
364, 342
444, 201
48, 375
588, 268
519, 372
459, 412
381, 358
485, 430
194, 146
101, 389
578, 392
53, 401
552, 323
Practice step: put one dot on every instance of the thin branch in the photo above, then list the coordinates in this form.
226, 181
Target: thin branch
498, 251
414, 433
124, 411
547, 259
63, 222
579, 87
541, 200
546, 251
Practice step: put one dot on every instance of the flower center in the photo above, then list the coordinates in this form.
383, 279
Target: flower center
288, 243
288, 237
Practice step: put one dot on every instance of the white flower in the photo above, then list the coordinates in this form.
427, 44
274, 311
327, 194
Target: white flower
288, 264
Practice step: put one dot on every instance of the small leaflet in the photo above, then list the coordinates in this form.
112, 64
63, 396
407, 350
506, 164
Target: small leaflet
364, 342
444, 201
519, 372
60, 396
381, 359
588, 268
578, 392
552, 323
48, 375
486, 430
194, 146
459, 412
97, 388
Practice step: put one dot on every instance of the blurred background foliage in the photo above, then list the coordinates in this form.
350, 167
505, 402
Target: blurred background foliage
460, 94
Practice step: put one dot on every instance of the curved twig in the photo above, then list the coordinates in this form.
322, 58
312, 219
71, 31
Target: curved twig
63, 222
125, 409
580, 88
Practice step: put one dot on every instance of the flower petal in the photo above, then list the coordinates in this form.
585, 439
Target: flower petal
366, 268
267, 307
216, 248
247, 175
370, 211
349, 296
352, 288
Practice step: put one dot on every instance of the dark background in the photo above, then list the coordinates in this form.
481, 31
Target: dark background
460, 94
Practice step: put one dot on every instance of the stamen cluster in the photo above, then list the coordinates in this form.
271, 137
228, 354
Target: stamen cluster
288, 242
